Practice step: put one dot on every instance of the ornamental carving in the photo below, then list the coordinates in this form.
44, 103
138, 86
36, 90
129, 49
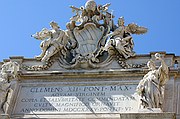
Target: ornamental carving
91, 40
9, 71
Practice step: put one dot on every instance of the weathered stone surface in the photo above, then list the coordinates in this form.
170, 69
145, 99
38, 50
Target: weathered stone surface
72, 78
104, 116
151, 87
4, 116
86, 78
148, 116
84, 97
89, 71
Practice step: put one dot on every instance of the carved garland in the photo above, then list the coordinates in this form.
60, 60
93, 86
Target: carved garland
89, 40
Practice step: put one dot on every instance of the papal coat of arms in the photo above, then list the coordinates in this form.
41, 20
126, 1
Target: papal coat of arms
91, 39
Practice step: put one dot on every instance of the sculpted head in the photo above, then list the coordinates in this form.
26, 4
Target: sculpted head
121, 21
158, 56
90, 5
151, 65
54, 25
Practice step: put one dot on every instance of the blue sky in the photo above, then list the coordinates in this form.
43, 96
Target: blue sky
19, 19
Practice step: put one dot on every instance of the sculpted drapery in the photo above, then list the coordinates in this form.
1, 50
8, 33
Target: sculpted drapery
8, 72
85, 43
151, 87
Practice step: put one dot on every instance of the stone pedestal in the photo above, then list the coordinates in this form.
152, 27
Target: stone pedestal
147, 116
4, 116
103, 116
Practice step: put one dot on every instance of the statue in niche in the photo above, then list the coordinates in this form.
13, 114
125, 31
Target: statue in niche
151, 87
8, 72
54, 40
121, 38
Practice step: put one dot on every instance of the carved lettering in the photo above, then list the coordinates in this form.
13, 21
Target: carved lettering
78, 99
38, 90
29, 100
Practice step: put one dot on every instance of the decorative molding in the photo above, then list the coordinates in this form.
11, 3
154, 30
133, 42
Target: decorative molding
91, 40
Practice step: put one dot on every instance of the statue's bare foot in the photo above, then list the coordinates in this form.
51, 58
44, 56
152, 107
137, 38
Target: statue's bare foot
94, 59
38, 57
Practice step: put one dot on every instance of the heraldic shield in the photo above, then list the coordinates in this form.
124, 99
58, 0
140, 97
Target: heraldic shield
88, 38
91, 40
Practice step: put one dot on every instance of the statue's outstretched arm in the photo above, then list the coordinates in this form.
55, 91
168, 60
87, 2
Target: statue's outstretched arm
163, 70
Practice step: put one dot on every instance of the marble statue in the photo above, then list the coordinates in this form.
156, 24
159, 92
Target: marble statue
54, 40
121, 39
8, 72
85, 43
151, 87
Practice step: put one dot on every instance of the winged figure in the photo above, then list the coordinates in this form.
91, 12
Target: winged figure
90, 32
135, 29
121, 38
43, 34
54, 40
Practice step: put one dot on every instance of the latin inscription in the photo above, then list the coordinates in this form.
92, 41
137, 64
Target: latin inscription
77, 99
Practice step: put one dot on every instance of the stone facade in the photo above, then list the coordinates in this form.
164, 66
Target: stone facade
113, 75
90, 70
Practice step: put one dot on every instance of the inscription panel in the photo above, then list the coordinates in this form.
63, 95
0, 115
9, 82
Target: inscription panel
77, 99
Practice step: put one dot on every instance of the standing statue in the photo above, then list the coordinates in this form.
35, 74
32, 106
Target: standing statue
151, 87
121, 38
56, 40
8, 72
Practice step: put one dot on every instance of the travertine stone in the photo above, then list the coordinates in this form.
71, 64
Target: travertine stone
108, 116
75, 78
54, 41
89, 71
121, 39
151, 87
150, 110
169, 94
148, 116
86, 45
4, 116
84, 97
8, 73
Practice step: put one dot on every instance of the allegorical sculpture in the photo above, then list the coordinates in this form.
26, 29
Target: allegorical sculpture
151, 87
91, 40
54, 40
121, 40
8, 72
